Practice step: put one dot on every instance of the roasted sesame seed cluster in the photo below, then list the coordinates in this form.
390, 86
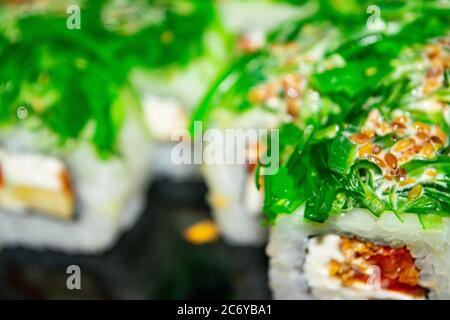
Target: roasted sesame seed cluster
391, 144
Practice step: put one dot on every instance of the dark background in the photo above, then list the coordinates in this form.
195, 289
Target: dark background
150, 261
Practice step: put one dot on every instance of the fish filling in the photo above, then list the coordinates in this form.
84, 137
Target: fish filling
343, 267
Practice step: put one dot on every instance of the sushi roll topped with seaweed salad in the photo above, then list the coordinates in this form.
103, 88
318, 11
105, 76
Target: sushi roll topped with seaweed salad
74, 146
388, 148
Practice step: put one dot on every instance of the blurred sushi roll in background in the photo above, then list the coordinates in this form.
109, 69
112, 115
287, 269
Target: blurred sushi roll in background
364, 213
71, 130
90, 107
173, 49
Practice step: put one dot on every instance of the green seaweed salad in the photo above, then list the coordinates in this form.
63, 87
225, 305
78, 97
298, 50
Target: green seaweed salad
364, 109
387, 146
68, 79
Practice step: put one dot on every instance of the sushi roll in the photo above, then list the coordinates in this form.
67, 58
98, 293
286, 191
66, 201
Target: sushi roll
74, 151
363, 213
173, 49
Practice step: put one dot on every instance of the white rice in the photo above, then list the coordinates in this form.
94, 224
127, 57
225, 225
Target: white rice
235, 209
236, 203
289, 238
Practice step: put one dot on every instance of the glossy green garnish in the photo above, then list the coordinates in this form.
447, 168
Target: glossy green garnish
68, 79
311, 44
402, 164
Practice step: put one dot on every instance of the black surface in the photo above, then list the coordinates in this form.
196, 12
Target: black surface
151, 261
